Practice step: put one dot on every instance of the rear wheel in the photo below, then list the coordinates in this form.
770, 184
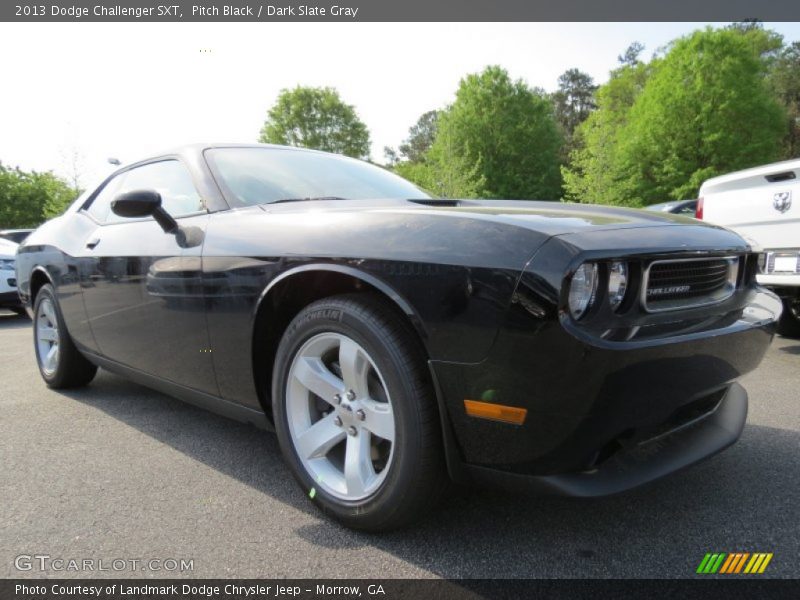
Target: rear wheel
60, 363
355, 413
789, 324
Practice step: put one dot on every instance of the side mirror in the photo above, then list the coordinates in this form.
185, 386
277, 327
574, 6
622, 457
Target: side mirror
143, 203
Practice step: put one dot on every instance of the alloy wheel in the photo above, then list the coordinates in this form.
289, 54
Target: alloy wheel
340, 416
47, 338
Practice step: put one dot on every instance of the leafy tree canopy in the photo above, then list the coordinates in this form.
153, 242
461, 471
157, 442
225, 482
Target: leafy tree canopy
27, 199
784, 81
505, 134
316, 118
573, 102
630, 57
662, 129
420, 137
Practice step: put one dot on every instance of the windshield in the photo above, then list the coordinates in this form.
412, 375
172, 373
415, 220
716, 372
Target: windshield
262, 175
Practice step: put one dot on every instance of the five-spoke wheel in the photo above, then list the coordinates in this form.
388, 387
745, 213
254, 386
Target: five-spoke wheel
46, 332
60, 362
355, 413
340, 416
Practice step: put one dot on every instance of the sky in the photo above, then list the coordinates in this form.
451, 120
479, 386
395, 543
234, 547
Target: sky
75, 94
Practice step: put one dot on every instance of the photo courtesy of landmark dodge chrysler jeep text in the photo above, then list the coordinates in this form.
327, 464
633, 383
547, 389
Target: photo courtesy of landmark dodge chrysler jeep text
396, 341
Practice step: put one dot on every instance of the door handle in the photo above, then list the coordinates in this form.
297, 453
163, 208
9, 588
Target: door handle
91, 244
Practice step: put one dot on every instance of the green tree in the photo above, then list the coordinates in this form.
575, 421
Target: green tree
420, 138
630, 57
573, 103
29, 198
784, 80
443, 172
592, 174
704, 110
504, 133
316, 118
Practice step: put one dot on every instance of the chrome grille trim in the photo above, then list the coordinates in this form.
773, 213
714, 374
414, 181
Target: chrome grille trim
722, 281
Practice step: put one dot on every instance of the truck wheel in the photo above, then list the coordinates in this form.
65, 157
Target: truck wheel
61, 364
356, 415
789, 324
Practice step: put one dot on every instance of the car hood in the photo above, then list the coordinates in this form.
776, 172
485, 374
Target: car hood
551, 218
492, 234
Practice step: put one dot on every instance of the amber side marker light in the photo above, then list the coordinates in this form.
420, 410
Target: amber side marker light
496, 412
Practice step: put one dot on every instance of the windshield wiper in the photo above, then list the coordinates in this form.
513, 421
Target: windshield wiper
307, 199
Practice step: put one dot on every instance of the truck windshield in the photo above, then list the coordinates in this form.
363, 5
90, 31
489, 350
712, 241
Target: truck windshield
264, 175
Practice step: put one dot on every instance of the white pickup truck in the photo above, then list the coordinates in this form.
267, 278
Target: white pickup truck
763, 206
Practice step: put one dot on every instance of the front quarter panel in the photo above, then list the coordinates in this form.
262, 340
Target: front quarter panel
57, 250
454, 278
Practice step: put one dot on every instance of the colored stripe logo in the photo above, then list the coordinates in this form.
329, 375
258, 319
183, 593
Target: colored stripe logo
734, 563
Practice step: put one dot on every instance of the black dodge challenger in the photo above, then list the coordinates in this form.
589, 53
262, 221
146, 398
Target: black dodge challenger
397, 341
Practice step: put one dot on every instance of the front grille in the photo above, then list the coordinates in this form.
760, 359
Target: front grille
687, 283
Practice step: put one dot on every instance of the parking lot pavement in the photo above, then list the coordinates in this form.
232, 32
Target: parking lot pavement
118, 471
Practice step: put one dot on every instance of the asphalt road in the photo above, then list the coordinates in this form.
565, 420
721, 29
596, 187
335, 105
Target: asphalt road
118, 471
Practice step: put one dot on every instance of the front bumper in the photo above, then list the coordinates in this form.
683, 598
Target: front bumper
597, 406
643, 462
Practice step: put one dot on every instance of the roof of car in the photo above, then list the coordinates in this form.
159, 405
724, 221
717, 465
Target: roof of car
198, 148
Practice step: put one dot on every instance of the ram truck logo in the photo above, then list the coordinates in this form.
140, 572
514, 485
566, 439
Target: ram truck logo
672, 289
782, 201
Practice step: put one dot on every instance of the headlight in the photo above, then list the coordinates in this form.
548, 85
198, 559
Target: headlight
582, 289
617, 283
6, 264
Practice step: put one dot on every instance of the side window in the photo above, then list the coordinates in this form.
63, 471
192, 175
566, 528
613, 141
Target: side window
168, 177
100, 208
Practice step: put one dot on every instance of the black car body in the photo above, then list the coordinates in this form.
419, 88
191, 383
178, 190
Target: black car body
598, 404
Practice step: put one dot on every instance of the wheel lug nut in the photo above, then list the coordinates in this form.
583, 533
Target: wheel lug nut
337, 398
337, 421
352, 430
351, 395
361, 415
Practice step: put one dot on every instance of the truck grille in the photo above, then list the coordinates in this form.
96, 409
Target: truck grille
689, 282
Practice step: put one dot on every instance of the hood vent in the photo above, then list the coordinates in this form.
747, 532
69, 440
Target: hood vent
436, 202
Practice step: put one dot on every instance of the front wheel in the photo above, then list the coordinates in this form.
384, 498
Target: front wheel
61, 364
355, 413
789, 324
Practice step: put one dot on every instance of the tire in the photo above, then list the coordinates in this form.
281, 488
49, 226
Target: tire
362, 479
65, 367
789, 324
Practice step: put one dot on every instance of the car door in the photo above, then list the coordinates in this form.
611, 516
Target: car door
144, 300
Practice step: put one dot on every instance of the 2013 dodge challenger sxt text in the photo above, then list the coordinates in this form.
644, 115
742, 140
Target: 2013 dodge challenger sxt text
397, 341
